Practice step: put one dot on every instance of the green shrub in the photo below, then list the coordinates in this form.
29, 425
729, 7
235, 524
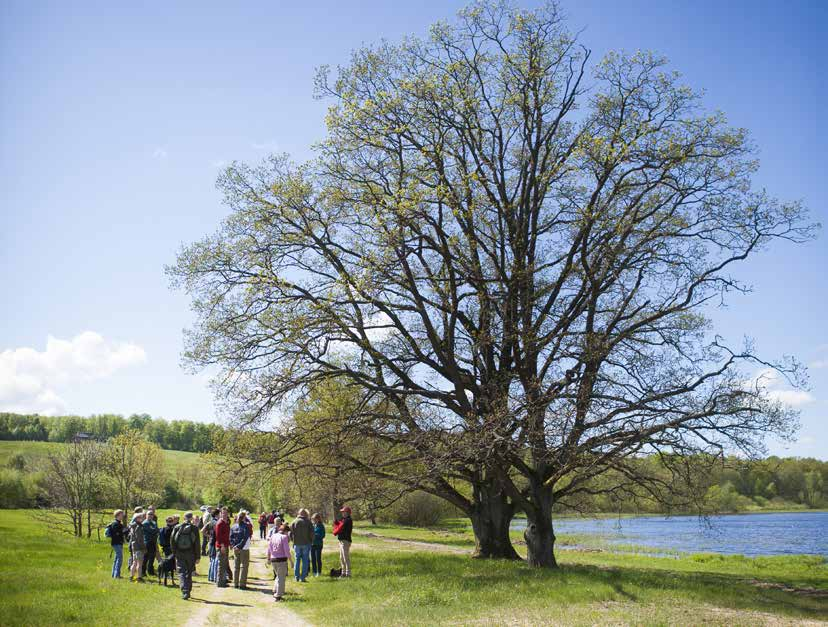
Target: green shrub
418, 509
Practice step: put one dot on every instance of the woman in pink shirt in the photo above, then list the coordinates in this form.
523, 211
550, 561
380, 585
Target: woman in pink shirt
278, 554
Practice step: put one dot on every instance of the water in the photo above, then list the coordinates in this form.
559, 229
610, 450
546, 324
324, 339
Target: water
745, 534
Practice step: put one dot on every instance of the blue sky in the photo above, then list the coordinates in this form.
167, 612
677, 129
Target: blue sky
116, 120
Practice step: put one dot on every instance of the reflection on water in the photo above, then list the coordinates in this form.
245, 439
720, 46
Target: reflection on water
746, 534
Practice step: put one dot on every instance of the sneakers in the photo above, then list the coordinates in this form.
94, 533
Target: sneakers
275, 598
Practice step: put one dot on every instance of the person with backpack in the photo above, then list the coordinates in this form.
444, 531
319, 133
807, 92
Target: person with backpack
262, 526
316, 546
342, 530
210, 517
137, 547
240, 537
301, 533
185, 544
150, 527
115, 531
222, 535
128, 534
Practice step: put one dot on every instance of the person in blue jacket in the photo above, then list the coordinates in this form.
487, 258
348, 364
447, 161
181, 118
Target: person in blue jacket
316, 547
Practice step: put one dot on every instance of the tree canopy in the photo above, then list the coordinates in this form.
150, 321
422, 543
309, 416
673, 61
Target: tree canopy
510, 252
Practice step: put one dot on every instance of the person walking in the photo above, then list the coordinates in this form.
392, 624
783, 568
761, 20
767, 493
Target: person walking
278, 554
185, 543
316, 546
137, 547
222, 533
115, 531
342, 530
150, 526
262, 526
240, 538
301, 533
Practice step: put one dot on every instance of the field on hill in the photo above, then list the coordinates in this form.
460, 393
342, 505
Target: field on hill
37, 451
406, 576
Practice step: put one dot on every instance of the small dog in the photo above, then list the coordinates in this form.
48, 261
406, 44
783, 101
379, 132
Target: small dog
336, 572
166, 568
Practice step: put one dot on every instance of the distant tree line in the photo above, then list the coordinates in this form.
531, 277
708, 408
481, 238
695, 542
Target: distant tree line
178, 435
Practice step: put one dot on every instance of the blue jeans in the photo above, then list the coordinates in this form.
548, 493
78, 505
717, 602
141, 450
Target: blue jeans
118, 549
302, 565
316, 559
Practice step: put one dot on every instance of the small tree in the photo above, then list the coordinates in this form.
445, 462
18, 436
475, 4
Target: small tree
74, 483
135, 468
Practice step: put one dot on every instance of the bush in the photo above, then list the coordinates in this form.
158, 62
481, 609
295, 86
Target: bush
19, 490
418, 509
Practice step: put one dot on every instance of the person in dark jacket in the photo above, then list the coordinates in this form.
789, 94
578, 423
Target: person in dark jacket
186, 544
316, 547
241, 535
165, 536
301, 534
342, 530
115, 531
150, 526
137, 546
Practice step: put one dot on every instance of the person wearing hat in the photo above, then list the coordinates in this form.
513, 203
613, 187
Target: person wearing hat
186, 546
342, 530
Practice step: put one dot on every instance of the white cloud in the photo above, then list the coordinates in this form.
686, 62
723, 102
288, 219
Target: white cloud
160, 153
267, 146
774, 386
30, 379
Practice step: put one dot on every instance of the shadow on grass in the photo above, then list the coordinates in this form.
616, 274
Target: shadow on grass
226, 603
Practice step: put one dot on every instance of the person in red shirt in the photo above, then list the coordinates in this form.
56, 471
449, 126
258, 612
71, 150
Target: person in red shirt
222, 532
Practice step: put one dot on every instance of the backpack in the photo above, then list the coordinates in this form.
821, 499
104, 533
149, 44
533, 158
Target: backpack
337, 526
183, 539
108, 530
238, 534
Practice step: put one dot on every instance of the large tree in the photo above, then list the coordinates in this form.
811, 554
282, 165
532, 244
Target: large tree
514, 268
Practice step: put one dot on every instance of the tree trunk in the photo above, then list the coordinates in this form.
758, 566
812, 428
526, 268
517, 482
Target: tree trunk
491, 516
539, 535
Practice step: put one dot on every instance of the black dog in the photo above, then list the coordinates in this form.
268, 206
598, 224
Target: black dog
166, 568
336, 572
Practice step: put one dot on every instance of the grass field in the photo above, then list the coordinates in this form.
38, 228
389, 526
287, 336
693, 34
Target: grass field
58, 580
37, 451
53, 579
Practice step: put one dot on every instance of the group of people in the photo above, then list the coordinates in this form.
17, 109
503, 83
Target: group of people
213, 535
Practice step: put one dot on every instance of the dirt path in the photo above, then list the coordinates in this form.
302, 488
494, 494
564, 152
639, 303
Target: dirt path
254, 606
414, 544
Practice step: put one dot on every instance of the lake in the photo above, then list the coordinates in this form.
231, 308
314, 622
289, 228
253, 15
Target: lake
746, 534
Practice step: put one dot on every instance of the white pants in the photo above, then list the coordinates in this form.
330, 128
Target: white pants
345, 556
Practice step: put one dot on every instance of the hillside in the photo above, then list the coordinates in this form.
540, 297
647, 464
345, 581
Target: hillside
37, 451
